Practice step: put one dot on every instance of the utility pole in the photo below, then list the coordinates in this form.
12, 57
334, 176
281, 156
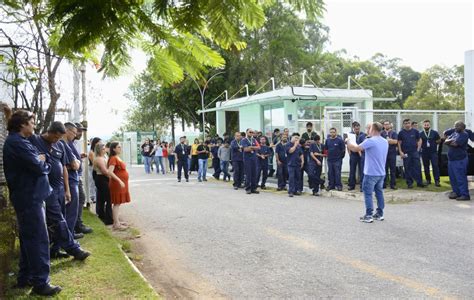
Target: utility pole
84, 133
76, 113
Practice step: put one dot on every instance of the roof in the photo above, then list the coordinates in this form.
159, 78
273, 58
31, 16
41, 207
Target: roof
295, 93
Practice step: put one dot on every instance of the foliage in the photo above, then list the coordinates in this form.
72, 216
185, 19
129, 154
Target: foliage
439, 88
178, 35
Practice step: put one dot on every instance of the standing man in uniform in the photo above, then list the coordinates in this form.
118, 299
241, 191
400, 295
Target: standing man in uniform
216, 163
458, 161
280, 157
237, 160
315, 164
55, 207
80, 227
295, 160
409, 144
356, 159
309, 135
305, 151
26, 173
250, 146
72, 208
262, 165
391, 164
336, 152
429, 152
276, 136
182, 152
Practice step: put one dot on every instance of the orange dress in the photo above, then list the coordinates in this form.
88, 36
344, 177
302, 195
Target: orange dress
118, 195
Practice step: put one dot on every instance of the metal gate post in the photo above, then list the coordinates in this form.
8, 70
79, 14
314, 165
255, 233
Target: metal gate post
435, 121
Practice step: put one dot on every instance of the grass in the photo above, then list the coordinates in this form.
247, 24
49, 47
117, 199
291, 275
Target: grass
105, 274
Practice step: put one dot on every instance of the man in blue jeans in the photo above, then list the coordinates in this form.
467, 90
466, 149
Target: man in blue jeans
375, 149
409, 145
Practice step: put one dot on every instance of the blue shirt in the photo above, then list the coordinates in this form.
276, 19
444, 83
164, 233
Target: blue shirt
264, 150
214, 150
246, 142
315, 148
26, 174
409, 140
294, 159
392, 149
428, 141
72, 174
376, 149
280, 150
56, 157
336, 148
459, 152
236, 148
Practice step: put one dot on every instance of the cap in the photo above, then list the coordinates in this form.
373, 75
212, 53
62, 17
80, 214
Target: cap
79, 126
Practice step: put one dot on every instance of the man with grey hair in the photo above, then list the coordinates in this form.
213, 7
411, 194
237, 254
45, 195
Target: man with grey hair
376, 148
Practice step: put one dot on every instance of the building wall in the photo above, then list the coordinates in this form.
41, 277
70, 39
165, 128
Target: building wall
251, 116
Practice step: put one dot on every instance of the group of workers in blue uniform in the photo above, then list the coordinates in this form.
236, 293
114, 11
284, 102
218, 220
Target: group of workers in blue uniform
41, 173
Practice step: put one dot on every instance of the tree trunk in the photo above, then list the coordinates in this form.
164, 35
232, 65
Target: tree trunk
172, 129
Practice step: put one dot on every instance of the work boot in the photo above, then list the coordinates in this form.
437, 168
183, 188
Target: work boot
46, 290
463, 198
453, 195
437, 184
83, 229
80, 254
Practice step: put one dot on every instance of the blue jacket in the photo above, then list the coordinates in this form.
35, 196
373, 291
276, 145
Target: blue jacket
26, 174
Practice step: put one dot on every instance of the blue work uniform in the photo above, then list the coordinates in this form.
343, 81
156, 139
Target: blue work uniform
27, 179
61, 236
282, 168
356, 162
458, 163
182, 152
250, 164
411, 163
336, 151
429, 153
391, 163
305, 153
216, 163
72, 208
262, 164
237, 162
294, 167
315, 170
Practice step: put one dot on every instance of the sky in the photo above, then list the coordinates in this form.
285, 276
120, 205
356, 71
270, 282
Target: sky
420, 32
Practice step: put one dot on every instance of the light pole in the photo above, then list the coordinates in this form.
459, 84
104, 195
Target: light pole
202, 91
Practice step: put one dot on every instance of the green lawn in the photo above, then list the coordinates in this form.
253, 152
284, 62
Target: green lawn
105, 274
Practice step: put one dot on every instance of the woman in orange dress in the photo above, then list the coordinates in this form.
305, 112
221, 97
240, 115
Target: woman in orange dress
118, 185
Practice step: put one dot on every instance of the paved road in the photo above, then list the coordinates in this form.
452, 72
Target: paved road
272, 246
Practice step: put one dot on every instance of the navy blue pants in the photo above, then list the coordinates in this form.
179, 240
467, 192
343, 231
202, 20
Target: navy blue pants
282, 175
183, 165
412, 167
432, 158
294, 178
262, 171
72, 208
238, 169
356, 162
334, 173
314, 176
250, 166
34, 245
390, 169
216, 165
457, 170
60, 236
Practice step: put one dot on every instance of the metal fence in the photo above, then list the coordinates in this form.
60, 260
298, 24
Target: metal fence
341, 119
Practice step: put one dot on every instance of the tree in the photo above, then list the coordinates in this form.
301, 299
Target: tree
439, 88
178, 35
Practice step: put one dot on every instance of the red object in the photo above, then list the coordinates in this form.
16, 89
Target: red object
118, 195
325, 152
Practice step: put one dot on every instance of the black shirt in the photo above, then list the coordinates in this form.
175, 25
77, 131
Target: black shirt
147, 149
203, 155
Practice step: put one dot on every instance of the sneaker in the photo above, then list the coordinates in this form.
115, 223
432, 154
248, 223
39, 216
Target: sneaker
367, 219
463, 198
453, 195
179, 180
83, 229
248, 192
378, 217
290, 195
205, 179
437, 184
317, 194
199, 180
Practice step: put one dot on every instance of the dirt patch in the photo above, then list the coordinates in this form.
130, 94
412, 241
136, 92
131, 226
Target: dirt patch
167, 273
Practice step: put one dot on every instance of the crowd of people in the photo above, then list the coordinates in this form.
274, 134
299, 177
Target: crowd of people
253, 155
44, 174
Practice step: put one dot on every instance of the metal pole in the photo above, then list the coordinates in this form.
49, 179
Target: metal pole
203, 115
85, 175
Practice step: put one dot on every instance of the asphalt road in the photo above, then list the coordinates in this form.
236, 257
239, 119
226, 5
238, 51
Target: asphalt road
215, 242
